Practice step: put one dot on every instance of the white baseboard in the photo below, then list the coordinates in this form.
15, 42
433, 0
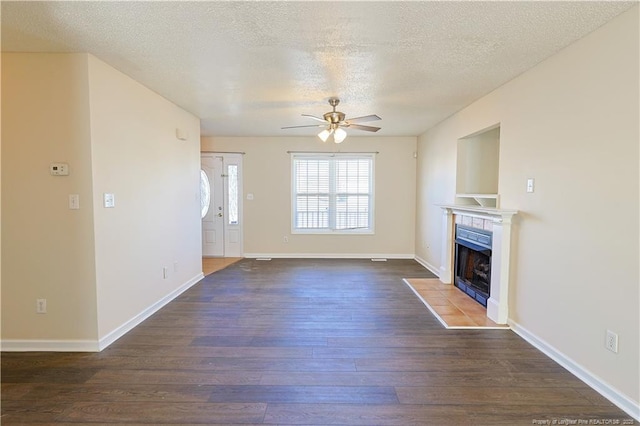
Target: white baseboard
27, 345
430, 267
329, 256
626, 404
32, 345
133, 322
493, 310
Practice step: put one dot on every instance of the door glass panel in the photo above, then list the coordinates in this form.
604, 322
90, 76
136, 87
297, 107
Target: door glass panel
205, 194
232, 181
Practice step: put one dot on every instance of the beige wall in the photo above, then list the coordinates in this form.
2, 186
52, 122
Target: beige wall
571, 123
267, 218
99, 269
155, 180
477, 163
48, 249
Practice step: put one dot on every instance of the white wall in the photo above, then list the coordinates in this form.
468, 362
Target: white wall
571, 123
267, 218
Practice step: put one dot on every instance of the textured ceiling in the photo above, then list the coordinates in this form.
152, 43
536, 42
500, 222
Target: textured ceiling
249, 68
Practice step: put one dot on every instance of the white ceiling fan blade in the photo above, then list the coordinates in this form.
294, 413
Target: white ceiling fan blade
361, 127
363, 119
308, 125
314, 117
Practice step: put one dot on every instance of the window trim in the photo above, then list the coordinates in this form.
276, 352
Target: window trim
329, 231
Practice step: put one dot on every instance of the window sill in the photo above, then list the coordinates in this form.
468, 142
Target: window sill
333, 231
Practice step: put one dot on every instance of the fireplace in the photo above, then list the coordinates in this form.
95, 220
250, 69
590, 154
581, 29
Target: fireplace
497, 223
472, 262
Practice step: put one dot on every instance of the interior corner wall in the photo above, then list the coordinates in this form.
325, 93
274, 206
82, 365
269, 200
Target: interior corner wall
267, 175
572, 124
48, 248
0, 207
147, 247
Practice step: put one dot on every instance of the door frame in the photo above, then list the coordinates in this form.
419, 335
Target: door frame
228, 158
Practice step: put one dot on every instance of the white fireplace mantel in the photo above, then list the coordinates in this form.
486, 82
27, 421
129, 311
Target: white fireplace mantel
498, 303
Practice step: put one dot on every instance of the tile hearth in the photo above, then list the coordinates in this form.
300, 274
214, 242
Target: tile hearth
451, 307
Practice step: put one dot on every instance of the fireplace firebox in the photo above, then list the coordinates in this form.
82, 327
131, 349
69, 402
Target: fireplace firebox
472, 262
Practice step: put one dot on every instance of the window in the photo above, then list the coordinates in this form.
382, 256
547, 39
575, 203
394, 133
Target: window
205, 194
332, 193
232, 190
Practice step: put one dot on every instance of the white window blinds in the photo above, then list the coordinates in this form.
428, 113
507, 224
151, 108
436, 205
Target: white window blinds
332, 193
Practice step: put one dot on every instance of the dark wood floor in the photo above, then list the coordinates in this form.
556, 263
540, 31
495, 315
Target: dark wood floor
313, 342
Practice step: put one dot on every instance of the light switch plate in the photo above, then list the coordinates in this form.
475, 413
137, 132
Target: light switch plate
530, 183
109, 200
74, 201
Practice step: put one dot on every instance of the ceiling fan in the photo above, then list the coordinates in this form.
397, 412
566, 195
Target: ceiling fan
334, 121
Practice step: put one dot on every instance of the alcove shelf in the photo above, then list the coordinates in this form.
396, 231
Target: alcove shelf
477, 166
482, 200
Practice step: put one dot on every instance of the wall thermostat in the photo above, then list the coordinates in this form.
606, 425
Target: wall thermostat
59, 169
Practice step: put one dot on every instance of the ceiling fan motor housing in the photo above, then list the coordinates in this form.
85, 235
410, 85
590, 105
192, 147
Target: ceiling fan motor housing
334, 117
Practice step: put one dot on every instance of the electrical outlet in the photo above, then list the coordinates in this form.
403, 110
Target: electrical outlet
286, 239
611, 341
41, 306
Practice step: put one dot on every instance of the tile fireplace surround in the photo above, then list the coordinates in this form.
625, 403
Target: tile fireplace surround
499, 222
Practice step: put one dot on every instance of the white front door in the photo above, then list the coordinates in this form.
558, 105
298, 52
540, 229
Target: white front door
213, 221
222, 223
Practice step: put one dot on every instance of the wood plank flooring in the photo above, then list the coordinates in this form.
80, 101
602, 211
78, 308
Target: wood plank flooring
298, 341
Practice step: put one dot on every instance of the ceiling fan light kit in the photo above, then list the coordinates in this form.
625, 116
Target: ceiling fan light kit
339, 135
335, 121
324, 135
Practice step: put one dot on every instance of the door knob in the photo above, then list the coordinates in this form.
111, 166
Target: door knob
220, 214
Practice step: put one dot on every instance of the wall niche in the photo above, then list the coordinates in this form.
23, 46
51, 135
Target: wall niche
477, 168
